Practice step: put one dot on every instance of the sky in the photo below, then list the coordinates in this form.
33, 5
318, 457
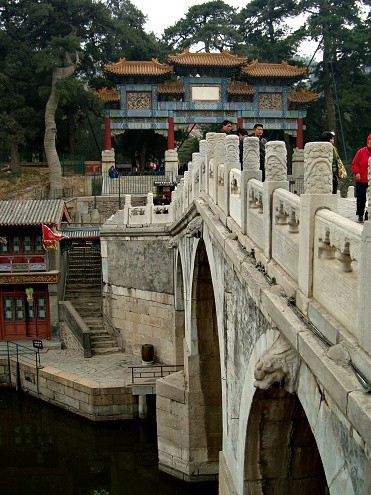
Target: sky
164, 13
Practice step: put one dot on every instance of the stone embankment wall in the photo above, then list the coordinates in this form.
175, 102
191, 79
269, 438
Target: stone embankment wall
138, 290
80, 396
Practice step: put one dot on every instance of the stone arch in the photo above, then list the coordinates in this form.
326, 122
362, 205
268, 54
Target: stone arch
281, 452
328, 430
205, 388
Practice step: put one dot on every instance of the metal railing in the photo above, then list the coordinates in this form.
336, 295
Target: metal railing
72, 164
296, 184
129, 183
23, 263
20, 354
142, 374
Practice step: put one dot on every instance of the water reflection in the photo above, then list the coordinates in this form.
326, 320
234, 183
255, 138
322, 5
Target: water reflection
46, 451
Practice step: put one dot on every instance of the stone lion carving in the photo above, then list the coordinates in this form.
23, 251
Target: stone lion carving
280, 364
194, 228
173, 243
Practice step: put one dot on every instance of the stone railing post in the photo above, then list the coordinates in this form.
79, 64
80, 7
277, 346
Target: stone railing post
171, 163
203, 157
364, 281
196, 160
127, 205
232, 160
185, 196
149, 207
317, 195
298, 163
211, 140
275, 177
190, 182
108, 159
251, 164
219, 159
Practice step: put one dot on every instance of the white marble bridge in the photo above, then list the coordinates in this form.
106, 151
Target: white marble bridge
263, 296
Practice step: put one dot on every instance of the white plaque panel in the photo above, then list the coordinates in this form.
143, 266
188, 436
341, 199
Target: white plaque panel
205, 93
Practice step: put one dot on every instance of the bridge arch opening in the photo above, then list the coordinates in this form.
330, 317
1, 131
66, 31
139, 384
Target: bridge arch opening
281, 454
206, 372
179, 312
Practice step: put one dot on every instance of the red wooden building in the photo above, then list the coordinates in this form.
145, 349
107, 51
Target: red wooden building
31, 278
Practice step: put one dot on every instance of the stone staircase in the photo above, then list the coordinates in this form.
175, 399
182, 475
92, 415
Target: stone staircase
83, 290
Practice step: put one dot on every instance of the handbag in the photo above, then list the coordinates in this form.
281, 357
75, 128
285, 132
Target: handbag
342, 172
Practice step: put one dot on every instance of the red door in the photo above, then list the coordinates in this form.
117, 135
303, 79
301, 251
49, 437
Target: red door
21, 319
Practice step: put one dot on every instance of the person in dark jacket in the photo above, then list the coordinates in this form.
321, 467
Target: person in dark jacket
329, 137
258, 132
227, 126
241, 133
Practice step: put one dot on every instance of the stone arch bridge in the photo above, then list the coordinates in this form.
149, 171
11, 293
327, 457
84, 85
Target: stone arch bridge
262, 295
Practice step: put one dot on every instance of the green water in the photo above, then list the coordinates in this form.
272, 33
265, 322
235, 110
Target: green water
47, 451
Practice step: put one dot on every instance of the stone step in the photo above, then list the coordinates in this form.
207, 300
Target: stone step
81, 288
108, 344
101, 351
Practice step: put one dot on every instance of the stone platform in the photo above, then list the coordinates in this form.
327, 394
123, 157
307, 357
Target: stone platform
98, 388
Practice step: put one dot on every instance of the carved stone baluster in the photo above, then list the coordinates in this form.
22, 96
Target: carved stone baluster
326, 251
293, 223
343, 256
280, 215
260, 203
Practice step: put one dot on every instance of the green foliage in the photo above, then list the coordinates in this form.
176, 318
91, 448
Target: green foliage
265, 32
214, 24
35, 37
190, 145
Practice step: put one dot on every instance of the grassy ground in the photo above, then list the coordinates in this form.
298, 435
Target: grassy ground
32, 183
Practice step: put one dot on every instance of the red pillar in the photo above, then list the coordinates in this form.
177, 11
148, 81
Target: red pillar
299, 136
107, 133
170, 134
239, 122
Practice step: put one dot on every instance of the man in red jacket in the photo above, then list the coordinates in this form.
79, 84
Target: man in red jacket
360, 173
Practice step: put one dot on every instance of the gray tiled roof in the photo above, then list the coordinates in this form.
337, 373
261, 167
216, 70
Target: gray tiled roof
32, 212
81, 232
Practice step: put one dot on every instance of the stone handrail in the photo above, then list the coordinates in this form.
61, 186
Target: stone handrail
77, 326
301, 242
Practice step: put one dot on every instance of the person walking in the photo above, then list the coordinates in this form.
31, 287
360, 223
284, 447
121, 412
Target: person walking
329, 137
360, 172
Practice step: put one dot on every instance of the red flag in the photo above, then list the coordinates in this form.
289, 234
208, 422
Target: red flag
50, 238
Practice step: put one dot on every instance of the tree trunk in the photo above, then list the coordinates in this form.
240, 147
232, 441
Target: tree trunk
15, 165
327, 87
71, 132
55, 171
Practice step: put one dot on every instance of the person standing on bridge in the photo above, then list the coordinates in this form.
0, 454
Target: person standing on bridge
329, 137
360, 173
258, 132
241, 133
227, 126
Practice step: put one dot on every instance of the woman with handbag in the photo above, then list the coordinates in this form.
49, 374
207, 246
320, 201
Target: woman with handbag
338, 169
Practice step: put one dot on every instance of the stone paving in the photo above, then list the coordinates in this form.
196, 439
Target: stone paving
106, 370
